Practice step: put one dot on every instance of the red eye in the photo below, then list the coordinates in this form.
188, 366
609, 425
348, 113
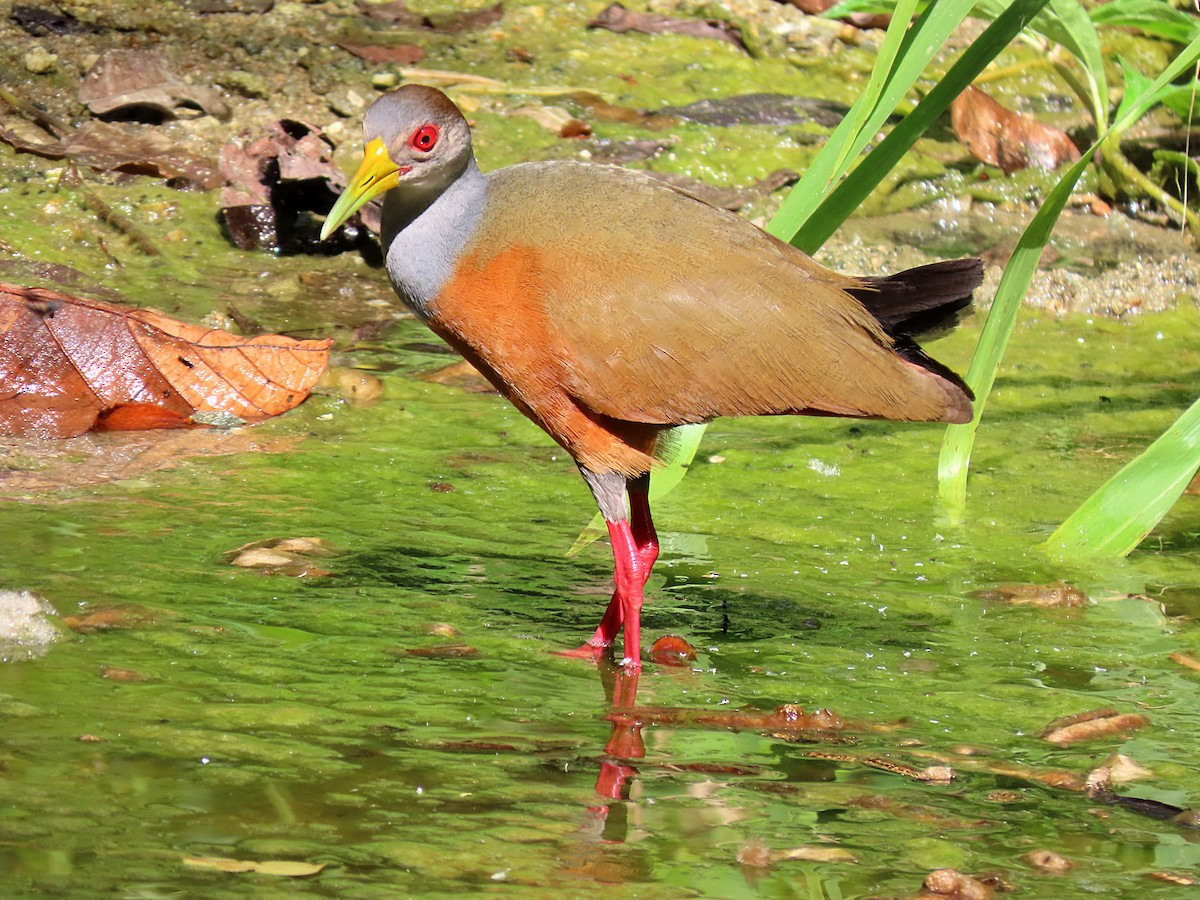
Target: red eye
424, 138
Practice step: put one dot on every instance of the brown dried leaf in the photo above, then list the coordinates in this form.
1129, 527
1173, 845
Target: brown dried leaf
556, 119
1117, 769
69, 365
292, 154
1180, 878
130, 81
1095, 723
289, 868
113, 673
110, 618
123, 147
619, 19
814, 853
1043, 596
1010, 140
220, 863
672, 650
1186, 660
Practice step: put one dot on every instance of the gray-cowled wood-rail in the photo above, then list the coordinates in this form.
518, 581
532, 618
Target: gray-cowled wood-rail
609, 307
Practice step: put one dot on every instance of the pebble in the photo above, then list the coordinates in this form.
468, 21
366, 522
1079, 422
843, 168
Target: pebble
40, 61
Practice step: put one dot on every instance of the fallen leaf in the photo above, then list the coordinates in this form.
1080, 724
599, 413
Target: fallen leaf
811, 853
220, 863
271, 183
123, 147
1117, 769
112, 673
142, 83
1044, 596
1095, 723
288, 868
1184, 659
1010, 140
617, 18
110, 618
556, 119
1175, 878
672, 650
70, 365
281, 867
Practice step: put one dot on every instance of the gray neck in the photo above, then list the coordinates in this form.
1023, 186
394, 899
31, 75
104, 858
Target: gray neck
423, 235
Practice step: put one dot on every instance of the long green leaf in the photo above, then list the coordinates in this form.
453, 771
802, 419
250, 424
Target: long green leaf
1148, 16
1115, 519
848, 195
981, 375
920, 43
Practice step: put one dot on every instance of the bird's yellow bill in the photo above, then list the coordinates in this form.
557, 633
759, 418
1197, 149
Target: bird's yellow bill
376, 174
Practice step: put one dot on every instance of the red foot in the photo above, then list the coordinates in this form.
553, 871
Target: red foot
592, 652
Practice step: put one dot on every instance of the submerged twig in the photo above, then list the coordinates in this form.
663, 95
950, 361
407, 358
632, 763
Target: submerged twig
107, 214
39, 117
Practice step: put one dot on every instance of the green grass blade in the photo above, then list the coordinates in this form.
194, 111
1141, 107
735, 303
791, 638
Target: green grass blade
867, 102
852, 191
1115, 519
1148, 16
981, 375
919, 44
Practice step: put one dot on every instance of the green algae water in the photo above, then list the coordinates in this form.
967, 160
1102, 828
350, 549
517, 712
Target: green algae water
403, 722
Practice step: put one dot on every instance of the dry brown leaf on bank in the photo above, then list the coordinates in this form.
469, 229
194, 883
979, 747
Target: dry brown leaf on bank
616, 17
1010, 140
70, 365
123, 147
133, 82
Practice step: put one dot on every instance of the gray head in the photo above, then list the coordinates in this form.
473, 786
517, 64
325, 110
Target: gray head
417, 142
424, 133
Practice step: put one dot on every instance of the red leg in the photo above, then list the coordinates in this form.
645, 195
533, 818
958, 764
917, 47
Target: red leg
635, 549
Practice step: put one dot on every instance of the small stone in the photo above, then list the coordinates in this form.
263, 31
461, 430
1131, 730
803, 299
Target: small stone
346, 102
384, 81
40, 61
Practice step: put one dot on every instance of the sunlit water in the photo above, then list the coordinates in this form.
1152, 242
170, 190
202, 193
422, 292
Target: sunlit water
263, 717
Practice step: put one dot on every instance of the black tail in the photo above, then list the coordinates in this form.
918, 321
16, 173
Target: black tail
925, 302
